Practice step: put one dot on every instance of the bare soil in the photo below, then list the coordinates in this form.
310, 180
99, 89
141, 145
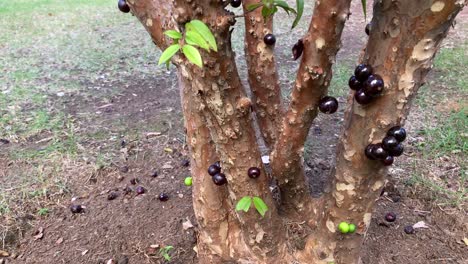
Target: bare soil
133, 228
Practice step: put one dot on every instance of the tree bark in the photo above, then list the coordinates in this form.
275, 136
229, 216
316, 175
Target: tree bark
404, 39
263, 76
321, 44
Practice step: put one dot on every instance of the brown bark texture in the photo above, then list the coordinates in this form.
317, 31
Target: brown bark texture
321, 44
404, 39
263, 77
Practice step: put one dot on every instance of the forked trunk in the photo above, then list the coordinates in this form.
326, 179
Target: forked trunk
404, 39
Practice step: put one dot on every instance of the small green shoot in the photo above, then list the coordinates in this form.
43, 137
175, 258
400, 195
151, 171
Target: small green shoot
197, 34
43, 211
246, 201
364, 8
164, 252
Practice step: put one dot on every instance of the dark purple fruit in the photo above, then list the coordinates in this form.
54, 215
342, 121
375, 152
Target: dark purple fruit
368, 28
390, 217
398, 132
389, 143
362, 98
362, 72
220, 179
218, 164
134, 181
379, 152
154, 174
397, 151
409, 230
127, 190
76, 209
269, 39
374, 85
254, 172
112, 196
388, 161
185, 163
140, 190
369, 151
354, 84
123, 6
236, 3
163, 197
213, 170
297, 49
328, 105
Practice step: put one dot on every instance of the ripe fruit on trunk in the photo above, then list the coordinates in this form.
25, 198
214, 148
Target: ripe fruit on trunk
269, 39
368, 28
369, 151
213, 170
374, 85
328, 105
123, 6
397, 151
297, 49
254, 172
354, 84
362, 72
236, 3
362, 98
219, 179
389, 143
379, 152
398, 132
388, 161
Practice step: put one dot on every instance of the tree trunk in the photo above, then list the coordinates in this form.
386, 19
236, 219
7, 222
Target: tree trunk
404, 38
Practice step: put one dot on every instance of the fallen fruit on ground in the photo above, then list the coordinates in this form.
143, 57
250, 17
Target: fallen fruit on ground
343, 227
188, 181
409, 230
390, 217
140, 190
76, 208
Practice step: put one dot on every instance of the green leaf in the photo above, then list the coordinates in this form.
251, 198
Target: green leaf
194, 38
173, 34
205, 32
244, 204
252, 7
193, 55
284, 6
260, 206
364, 8
168, 53
300, 10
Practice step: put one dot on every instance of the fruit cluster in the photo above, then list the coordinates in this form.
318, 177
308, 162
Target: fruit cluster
345, 227
390, 147
215, 171
366, 84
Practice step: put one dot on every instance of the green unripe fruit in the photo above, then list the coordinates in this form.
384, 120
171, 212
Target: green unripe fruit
188, 181
352, 228
343, 227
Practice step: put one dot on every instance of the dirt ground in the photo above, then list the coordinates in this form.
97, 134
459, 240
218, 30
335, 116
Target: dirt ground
136, 228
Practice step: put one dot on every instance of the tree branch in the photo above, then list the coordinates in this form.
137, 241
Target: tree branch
321, 44
404, 39
263, 76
